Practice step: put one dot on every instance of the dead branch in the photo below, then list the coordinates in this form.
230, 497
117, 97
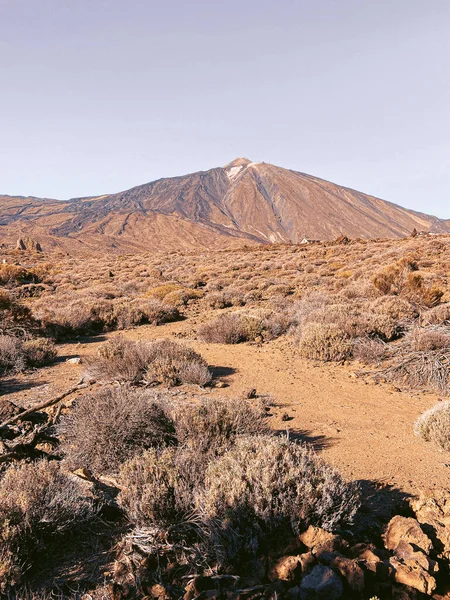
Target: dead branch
45, 404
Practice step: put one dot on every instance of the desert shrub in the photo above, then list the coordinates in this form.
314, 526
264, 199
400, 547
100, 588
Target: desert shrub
368, 350
246, 326
434, 425
38, 504
163, 361
128, 313
439, 315
107, 427
426, 339
16, 275
226, 329
264, 486
39, 352
402, 279
324, 341
68, 318
118, 359
161, 291
171, 363
155, 489
212, 425
12, 357
395, 307
5, 300
225, 298
182, 296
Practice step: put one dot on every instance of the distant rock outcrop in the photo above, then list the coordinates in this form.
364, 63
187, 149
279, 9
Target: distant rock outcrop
28, 243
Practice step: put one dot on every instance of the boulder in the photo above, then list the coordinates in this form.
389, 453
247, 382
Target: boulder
433, 513
408, 530
321, 584
415, 558
318, 540
415, 577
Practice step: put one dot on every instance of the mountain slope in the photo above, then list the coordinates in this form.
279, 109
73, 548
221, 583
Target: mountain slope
243, 202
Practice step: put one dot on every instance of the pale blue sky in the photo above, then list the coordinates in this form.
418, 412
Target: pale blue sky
99, 95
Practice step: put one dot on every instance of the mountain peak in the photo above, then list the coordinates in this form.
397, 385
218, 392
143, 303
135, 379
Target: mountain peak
238, 162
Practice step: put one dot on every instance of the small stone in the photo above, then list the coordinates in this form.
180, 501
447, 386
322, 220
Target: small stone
286, 568
76, 360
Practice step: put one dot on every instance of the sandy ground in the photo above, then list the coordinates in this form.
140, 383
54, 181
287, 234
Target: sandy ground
364, 429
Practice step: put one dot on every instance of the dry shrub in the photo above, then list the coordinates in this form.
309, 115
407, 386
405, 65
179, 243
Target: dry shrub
434, 425
39, 352
118, 359
106, 428
265, 486
427, 339
423, 369
226, 329
155, 489
225, 298
171, 363
87, 315
16, 275
439, 315
395, 307
164, 361
212, 425
402, 279
369, 351
161, 291
12, 359
128, 313
5, 300
68, 318
182, 297
262, 324
324, 341
39, 503
262, 487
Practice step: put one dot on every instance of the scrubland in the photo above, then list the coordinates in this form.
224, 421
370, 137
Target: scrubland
126, 488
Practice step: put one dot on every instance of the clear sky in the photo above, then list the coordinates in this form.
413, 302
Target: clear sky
99, 95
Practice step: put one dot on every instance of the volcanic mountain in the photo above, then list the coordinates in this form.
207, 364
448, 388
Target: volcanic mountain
243, 202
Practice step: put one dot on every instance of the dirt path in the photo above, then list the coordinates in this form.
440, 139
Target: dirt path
366, 430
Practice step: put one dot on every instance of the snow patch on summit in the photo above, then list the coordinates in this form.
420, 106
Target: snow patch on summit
233, 172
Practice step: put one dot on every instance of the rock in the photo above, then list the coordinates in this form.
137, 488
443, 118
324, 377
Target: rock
28, 244
433, 513
318, 540
408, 530
76, 360
8, 410
350, 571
321, 584
250, 393
415, 577
307, 561
286, 568
406, 553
